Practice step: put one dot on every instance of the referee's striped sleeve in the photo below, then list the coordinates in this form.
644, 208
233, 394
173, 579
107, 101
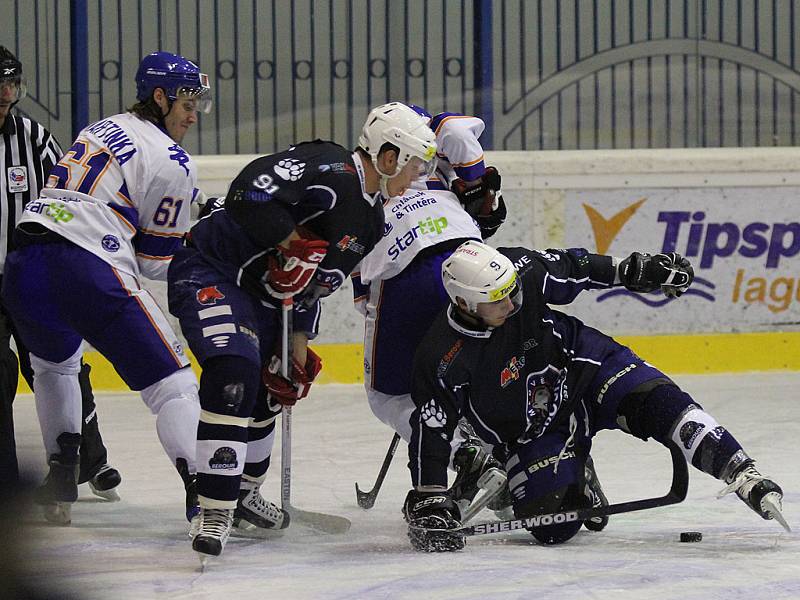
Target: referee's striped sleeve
50, 152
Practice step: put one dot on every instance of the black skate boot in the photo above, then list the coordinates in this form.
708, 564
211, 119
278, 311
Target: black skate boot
60, 488
594, 492
761, 494
214, 527
104, 483
254, 515
471, 463
192, 503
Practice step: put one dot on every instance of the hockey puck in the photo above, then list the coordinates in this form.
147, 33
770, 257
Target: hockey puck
691, 536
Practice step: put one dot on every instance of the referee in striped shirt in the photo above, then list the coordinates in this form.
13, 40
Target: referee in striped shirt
27, 153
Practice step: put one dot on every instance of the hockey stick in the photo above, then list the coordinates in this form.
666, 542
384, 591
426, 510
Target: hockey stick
366, 500
677, 493
320, 521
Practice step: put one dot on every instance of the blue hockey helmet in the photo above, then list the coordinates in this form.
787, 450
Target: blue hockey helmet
174, 74
420, 111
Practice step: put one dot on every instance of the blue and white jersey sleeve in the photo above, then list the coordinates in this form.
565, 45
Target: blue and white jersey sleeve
459, 152
560, 275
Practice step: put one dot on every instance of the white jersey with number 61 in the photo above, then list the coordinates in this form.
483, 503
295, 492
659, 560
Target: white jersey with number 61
123, 192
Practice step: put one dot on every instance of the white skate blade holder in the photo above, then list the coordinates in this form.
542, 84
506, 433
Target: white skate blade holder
107, 495
771, 504
490, 484
59, 513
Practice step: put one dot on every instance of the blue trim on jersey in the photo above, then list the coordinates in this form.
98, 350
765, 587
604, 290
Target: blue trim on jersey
437, 120
129, 213
156, 245
435, 184
471, 172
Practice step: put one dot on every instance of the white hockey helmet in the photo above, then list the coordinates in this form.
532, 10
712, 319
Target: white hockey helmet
478, 273
398, 124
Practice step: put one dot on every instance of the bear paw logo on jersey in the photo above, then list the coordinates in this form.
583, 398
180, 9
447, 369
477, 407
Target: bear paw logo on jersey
511, 372
289, 169
224, 458
209, 295
433, 415
110, 243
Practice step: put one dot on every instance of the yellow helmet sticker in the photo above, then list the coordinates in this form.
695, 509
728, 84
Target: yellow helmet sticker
504, 290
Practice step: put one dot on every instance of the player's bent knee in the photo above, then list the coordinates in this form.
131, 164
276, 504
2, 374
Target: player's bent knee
181, 385
70, 366
564, 498
653, 409
229, 385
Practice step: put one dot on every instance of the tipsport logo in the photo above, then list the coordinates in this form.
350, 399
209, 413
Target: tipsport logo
429, 226
606, 230
708, 242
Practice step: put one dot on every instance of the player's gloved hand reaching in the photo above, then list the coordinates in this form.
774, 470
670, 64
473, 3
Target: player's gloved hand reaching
429, 516
645, 273
481, 197
287, 392
294, 266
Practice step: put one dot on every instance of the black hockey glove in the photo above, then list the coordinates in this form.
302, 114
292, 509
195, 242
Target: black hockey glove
478, 199
645, 273
429, 516
490, 223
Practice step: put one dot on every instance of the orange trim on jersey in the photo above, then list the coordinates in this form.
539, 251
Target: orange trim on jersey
468, 164
125, 199
123, 219
160, 233
446, 119
149, 318
375, 336
153, 257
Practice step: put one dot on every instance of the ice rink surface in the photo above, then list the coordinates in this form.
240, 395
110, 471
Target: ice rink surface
138, 548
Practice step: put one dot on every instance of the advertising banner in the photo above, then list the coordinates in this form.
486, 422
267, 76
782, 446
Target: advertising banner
744, 245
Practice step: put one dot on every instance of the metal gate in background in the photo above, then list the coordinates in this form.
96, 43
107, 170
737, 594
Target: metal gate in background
544, 74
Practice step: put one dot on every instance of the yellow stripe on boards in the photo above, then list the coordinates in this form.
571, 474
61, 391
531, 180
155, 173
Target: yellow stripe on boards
673, 354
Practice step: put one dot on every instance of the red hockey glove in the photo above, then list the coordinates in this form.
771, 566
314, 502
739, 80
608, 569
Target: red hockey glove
293, 267
480, 198
286, 392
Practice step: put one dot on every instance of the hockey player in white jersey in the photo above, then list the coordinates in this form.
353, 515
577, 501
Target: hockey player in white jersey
115, 208
399, 289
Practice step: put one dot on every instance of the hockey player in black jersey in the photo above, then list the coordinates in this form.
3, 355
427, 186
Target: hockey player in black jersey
538, 384
293, 224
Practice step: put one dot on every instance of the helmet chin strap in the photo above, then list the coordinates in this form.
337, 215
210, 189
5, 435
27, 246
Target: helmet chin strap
385, 177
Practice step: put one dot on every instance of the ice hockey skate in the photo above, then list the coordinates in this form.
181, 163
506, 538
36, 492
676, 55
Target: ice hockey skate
104, 483
214, 527
256, 516
761, 494
477, 471
594, 492
60, 488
